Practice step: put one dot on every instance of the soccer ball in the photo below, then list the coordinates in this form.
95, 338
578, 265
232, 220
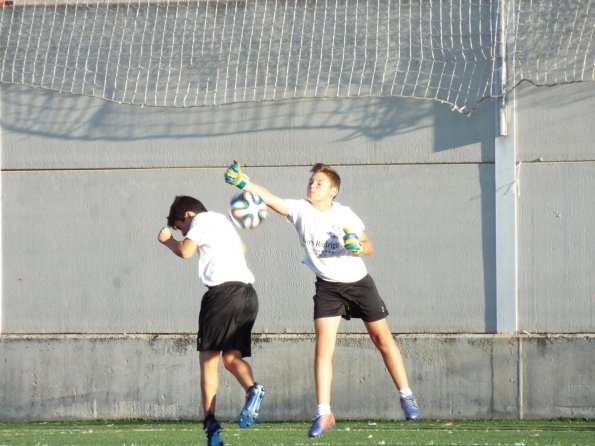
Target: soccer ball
247, 210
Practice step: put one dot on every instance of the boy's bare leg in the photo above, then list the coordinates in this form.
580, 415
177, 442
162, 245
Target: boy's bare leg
209, 380
385, 342
326, 337
240, 369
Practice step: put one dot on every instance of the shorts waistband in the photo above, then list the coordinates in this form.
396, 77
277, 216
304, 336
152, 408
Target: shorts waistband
226, 284
320, 279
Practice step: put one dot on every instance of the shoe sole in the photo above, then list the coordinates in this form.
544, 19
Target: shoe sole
250, 411
319, 435
412, 417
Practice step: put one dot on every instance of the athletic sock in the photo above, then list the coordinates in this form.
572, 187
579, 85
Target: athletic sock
405, 393
323, 409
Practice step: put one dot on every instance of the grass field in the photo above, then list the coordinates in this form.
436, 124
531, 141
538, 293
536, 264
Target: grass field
562, 432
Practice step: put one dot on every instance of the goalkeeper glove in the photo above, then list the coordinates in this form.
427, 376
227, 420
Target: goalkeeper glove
235, 176
352, 242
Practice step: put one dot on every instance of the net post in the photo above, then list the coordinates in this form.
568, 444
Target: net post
506, 184
502, 26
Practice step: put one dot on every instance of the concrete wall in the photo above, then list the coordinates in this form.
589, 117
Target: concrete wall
98, 318
55, 377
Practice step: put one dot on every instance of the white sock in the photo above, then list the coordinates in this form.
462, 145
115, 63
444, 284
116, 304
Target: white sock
323, 409
405, 393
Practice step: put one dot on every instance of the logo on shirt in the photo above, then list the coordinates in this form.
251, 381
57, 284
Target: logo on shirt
326, 245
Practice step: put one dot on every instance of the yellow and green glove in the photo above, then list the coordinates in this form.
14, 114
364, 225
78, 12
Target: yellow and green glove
352, 242
235, 176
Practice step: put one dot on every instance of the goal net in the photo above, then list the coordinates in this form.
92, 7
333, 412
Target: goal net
213, 52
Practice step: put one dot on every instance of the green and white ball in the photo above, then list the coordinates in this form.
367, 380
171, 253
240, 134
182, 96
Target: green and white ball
247, 210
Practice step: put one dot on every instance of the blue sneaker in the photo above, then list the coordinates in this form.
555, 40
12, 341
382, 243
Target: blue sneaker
250, 411
213, 430
320, 424
410, 408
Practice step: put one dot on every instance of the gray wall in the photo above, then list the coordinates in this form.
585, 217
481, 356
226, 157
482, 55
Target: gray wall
87, 184
556, 224
99, 178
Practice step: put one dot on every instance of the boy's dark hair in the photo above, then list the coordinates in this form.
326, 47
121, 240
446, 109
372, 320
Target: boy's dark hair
329, 172
181, 205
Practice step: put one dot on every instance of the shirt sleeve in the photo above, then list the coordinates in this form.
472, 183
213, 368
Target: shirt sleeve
294, 208
195, 233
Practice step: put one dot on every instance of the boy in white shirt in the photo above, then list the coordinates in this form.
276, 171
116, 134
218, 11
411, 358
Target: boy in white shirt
228, 309
333, 239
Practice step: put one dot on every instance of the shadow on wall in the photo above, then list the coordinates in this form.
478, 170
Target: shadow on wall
49, 114
393, 130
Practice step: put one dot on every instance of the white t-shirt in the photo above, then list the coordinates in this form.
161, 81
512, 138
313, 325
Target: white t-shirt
321, 236
220, 253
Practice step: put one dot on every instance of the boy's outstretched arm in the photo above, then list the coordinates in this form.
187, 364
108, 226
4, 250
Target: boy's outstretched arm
235, 177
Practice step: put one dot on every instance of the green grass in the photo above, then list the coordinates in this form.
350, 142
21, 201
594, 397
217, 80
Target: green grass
561, 432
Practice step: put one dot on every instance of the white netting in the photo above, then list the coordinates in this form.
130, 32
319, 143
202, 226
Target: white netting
211, 52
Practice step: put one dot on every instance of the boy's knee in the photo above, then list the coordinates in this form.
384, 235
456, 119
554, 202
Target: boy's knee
382, 343
228, 360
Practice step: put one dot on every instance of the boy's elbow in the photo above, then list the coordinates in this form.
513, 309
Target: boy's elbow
186, 249
185, 254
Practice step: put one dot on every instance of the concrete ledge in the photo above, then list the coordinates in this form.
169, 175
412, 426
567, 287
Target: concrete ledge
57, 377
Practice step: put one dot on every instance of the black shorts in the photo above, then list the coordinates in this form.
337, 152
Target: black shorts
349, 300
227, 315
